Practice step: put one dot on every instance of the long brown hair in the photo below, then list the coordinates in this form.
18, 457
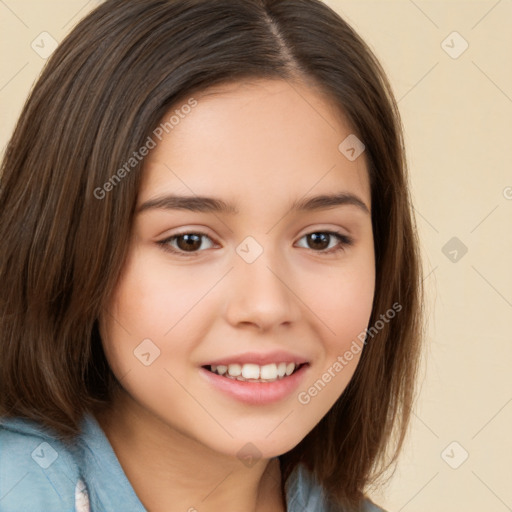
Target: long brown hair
103, 91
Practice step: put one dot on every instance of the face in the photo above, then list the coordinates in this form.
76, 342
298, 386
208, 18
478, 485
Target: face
258, 275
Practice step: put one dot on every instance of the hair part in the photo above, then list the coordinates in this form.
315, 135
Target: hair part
101, 94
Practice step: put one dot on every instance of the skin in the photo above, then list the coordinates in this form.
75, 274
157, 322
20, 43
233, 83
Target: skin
260, 145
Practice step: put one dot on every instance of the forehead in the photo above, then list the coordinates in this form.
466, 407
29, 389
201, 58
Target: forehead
253, 140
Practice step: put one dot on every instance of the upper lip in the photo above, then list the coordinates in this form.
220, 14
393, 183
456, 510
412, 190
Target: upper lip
259, 358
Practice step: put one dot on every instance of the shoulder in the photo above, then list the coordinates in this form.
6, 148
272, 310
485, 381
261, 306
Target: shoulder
369, 506
37, 471
305, 493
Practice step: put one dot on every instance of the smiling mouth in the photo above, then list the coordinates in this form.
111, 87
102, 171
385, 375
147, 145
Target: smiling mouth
256, 373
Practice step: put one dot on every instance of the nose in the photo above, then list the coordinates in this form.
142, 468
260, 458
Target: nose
261, 294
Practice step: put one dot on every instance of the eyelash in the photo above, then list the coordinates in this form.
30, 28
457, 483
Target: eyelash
344, 241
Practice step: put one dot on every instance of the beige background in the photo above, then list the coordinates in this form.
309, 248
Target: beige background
457, 114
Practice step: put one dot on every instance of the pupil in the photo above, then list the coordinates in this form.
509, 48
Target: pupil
319, 238
192, 242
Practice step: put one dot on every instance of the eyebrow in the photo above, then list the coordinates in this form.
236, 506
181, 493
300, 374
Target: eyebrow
214, 205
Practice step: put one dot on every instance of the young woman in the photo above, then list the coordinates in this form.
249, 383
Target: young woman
210, 277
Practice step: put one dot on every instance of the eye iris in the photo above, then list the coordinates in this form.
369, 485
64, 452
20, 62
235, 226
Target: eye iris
319, 238
192, 242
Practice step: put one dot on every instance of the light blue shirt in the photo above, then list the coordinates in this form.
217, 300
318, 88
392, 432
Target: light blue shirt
40, 474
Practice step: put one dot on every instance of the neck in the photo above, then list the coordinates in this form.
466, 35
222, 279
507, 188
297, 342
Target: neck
171, 471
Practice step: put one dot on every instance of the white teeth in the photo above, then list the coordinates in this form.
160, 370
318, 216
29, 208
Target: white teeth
234, 370
268, 372
221, 369
250, 371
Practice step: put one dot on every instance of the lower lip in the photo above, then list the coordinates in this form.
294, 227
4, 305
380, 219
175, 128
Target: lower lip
257, 393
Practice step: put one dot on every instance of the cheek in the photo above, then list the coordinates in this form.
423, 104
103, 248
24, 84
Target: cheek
343, 305
346, 312
153, 298
349, 308
156, 309
343, 300
144, 336
136, 314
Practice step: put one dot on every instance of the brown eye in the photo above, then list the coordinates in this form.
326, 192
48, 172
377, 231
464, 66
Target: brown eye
190, 242
186, 243
326, 241
318, 241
